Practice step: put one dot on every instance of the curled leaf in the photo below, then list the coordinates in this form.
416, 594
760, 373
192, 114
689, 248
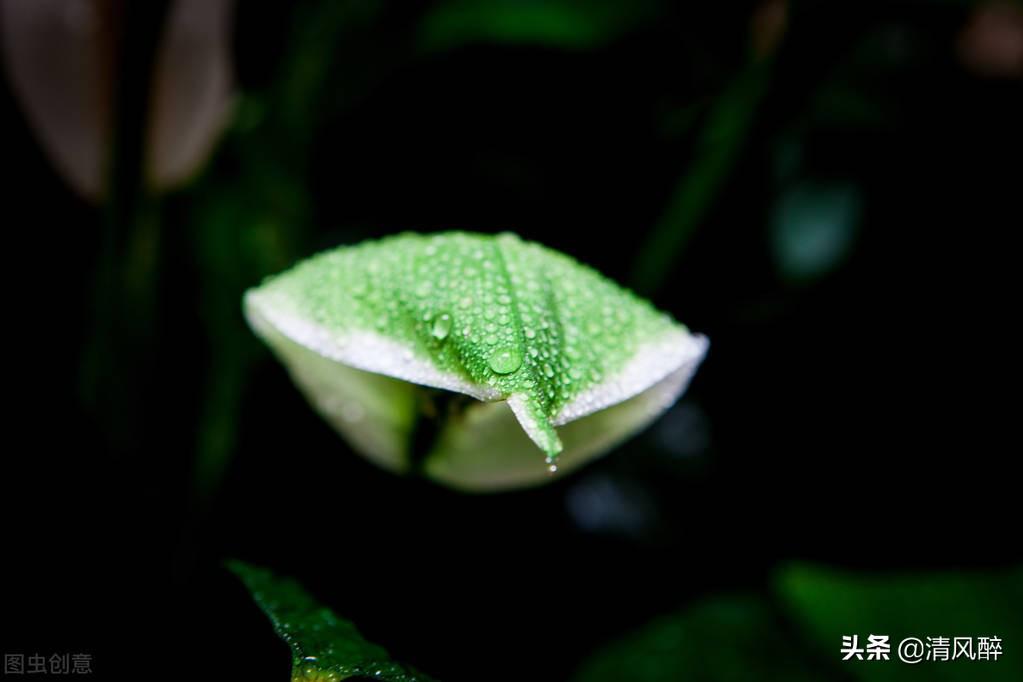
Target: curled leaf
580, 362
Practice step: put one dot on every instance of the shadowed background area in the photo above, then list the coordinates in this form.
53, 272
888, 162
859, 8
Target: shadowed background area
829, 192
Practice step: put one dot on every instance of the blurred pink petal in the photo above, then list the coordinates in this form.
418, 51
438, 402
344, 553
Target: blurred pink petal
192, 89
60, 59
991, 44
767, 26
58, 55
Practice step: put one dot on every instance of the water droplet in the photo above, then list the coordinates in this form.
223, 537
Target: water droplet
441, 327
548, 371
530, 334
505, 360
553, 468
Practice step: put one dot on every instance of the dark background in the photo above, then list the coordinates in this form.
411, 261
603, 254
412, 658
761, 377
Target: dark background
857, 407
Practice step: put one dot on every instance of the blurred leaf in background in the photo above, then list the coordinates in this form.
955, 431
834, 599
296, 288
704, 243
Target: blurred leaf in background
813, 229
796, 631
566, 24
733, 637
827, 604
991, 43
718, 147
252, 214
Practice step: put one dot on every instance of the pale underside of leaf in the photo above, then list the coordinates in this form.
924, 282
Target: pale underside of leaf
485, 450
490, 452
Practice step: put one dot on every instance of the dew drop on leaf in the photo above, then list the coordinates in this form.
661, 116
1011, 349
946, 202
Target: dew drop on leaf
441, 326
505, 360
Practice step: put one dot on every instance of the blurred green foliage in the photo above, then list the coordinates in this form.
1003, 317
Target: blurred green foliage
813, 229
566, 24
718, 145
858, 121
827, 604
721, 639
795, 633
257, 218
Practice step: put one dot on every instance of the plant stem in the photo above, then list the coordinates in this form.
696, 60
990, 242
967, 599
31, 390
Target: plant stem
718, 147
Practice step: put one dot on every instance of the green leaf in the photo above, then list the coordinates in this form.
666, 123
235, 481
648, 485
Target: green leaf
324, 648
829, 604
495, 318
735, 637
569, 24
